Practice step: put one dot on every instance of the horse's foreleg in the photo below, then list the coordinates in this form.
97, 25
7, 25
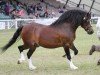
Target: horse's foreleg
29, 54
72, 66
22, 57
74, 49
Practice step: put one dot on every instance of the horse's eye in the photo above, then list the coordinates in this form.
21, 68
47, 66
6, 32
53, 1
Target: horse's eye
84, 18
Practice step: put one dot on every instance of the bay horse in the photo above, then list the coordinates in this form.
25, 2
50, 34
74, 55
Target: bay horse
60, 33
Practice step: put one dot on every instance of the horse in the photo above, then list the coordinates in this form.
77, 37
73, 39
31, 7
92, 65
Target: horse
61, 33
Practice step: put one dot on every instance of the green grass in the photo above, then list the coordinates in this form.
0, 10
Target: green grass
50, 61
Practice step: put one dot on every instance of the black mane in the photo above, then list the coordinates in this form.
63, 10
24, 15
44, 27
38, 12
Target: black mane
73, 16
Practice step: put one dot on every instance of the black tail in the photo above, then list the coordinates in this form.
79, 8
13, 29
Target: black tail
13, 39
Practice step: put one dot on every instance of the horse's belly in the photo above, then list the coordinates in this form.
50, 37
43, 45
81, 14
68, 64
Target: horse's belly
50, 41
50, 45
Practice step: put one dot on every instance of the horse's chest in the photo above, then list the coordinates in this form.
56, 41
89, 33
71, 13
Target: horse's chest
64, 39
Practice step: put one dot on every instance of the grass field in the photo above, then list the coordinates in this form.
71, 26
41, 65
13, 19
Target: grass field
50, 61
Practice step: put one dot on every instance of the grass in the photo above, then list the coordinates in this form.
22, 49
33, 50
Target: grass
50, 61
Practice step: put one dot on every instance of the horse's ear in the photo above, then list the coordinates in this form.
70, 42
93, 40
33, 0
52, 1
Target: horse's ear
88, 15
84, 18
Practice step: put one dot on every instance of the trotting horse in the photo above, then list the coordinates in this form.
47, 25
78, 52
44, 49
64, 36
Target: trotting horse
60, 33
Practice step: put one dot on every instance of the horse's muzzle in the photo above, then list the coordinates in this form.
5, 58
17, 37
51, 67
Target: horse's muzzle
90, 31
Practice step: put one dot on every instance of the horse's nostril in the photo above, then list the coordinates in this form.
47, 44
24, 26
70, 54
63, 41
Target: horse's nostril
90, 31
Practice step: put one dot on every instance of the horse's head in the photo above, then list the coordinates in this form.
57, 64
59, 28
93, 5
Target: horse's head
75, 17
86, 24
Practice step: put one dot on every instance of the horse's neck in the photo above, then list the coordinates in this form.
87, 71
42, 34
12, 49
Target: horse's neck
75, 28
69, 27
65, 27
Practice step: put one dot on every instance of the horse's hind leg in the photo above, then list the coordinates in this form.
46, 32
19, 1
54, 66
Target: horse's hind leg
29, 54
72, 66
21, 48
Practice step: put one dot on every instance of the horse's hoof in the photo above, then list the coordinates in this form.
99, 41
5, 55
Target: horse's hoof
18, 62
75, 68
92, 50
32, 68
